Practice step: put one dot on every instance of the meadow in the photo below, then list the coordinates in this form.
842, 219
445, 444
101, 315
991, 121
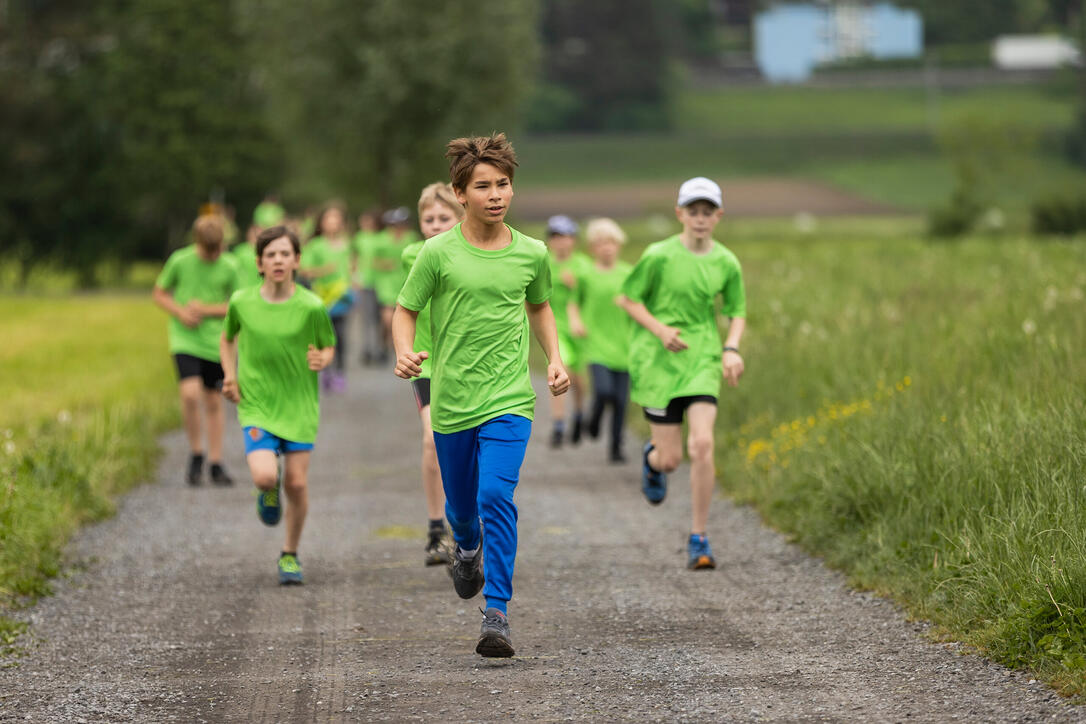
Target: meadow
87, 392
880, 143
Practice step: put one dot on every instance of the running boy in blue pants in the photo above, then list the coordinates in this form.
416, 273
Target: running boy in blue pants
486, 284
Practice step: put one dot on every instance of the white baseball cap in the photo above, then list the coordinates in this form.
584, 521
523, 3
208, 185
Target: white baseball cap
699, 188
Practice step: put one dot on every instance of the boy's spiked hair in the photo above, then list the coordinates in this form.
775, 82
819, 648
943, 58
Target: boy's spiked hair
465, 154
438, 192
208, 230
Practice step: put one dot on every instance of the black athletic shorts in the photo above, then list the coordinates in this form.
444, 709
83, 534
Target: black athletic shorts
421, 386
676, 409
190, 366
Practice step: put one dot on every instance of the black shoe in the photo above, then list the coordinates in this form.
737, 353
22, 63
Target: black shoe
556, 439
439, 547
195, 474
219, 476
494, 641
575, 435
618, 457
467, 574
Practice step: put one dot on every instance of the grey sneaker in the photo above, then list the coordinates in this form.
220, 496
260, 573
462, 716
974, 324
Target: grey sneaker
494, 641
439, 547
467, 574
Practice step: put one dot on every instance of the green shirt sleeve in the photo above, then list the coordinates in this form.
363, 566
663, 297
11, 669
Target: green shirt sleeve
642, 280
326, 336
420, 283
167, 278
231, 324
539, 289
735, 298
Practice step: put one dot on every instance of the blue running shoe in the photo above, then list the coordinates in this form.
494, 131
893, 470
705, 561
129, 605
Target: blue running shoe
290, 570
700, 555
268, 505
653, 482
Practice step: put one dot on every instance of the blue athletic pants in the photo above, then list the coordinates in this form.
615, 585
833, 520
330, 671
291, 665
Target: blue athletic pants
480, 468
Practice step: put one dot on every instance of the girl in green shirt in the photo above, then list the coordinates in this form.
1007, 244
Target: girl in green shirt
328, 263
676, 358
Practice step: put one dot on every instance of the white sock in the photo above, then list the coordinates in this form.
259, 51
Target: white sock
466, 555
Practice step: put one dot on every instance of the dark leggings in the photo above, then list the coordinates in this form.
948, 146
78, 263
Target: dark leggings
339, 326
609, 387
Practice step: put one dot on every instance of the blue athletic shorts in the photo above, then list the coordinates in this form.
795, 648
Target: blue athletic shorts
258, 439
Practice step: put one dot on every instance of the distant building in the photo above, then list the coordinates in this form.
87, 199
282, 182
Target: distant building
1033, 52
791, 39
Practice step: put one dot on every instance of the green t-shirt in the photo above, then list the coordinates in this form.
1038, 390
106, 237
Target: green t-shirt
606, 324
679, 288
278, 390
268, 214
188, 277
245, 256
479, 325
363, 249
424, 339
388, 273
563, 291
321, 252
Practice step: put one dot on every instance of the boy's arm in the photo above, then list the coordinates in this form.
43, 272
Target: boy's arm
210, 310
541, 319
669, 336
228, 355
187, 315
318, 359
408, 362
732, 361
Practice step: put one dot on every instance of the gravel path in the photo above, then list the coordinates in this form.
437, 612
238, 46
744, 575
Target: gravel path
173, 613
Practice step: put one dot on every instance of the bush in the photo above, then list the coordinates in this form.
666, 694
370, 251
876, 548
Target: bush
1063, 215
956, 218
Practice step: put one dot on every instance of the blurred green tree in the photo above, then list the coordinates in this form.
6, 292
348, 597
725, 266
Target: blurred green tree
607, 64
121, 119
366, 95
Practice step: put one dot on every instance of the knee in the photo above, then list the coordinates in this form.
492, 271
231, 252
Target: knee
265, 480
493, 496
667, 460
294, 485
190, 397
700, 447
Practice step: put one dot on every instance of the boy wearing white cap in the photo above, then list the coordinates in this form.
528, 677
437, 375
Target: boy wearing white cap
676, 357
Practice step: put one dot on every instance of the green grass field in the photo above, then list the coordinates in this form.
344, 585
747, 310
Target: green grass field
879, 143
913, 412
87, 391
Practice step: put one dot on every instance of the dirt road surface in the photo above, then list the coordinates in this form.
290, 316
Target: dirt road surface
173, 612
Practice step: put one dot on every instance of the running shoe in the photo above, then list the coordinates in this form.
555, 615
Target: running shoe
467, 574
269, 507
439, 547
556, 438
617, 457
700, 555
195, 474
339, 382
653, 482
494, 641
219, 476
290, 570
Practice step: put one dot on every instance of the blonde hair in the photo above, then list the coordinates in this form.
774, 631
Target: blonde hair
604, 228
438, 192
208, 230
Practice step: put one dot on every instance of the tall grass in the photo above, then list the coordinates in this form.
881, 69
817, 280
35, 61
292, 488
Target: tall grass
88, 388
914, 412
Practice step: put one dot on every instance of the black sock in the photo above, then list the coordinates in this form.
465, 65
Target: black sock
216, 467
288, 553
559, 425
438, 523
197, 460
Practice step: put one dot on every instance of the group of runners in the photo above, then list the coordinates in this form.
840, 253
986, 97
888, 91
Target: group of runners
457, 306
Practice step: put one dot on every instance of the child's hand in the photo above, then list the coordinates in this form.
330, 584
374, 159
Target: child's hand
568, 279
733, 368
230, 390
669, 337
557, 379
315, 359
189, 315
408, 364
576, 327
